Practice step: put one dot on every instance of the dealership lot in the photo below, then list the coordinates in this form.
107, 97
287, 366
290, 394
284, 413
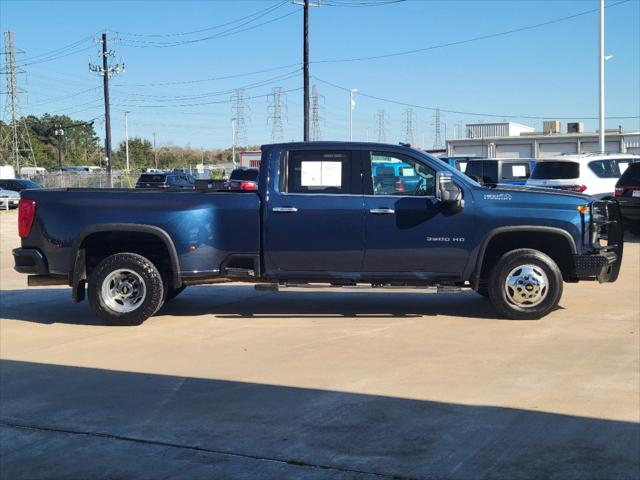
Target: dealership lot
228, 382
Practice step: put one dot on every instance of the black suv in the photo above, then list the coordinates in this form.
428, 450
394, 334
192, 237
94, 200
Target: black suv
18, 184
166, 181
510, 171
628, 195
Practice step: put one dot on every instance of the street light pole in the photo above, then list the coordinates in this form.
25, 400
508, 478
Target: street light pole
601, 64
352, 106
126, 138
59, 132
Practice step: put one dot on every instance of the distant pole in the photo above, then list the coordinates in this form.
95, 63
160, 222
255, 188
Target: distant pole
352, 106
107, 112
155, 152
601, 64
59, 132
306, 70
126, 138
233, 141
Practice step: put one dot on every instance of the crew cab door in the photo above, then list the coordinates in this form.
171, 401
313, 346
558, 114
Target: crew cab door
407, 229
314, 217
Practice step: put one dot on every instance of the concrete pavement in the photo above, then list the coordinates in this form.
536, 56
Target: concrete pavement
227, 382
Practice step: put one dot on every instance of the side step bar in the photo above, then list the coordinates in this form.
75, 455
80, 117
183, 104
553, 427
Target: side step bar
284, 287
46, 280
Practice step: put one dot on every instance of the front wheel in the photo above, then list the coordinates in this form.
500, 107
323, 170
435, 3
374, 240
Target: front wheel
525, 284
125, 289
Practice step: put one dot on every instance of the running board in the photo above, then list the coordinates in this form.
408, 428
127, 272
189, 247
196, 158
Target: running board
275, 287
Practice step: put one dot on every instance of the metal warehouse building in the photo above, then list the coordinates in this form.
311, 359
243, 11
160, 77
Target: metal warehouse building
512, 140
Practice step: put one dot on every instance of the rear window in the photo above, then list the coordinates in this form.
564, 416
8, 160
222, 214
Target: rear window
516, 171
487, 170
556, 171
151, 178
631, 176
605, 168
249, 174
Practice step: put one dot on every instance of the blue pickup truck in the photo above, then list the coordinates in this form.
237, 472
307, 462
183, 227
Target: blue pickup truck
320, 216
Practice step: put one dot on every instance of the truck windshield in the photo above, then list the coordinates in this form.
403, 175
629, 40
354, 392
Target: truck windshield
556, 171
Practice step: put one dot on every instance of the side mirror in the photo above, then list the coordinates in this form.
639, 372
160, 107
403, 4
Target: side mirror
449, 193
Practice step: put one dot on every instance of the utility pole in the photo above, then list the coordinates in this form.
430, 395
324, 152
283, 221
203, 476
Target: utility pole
352, 106
601, 60
155, 152
106, 71
306, 70
240, 113
59, 132
437, 137
126, 138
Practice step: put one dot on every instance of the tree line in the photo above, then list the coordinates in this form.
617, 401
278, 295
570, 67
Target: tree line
82, 146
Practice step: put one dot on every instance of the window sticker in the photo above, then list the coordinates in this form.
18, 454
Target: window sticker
311, 174
321, 174
331, 174
408, 172
519, 171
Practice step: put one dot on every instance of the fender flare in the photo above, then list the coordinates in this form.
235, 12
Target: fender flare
76, 268
475, 277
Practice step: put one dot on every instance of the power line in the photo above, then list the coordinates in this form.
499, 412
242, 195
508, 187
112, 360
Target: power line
468, 40
214, 27
477, 114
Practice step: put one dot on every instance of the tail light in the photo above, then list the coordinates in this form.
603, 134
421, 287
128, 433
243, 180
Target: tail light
399, 186
619, 191
26, 215
574, 188
245, 185
163, 185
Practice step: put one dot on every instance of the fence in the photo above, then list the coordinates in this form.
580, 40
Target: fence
84, 180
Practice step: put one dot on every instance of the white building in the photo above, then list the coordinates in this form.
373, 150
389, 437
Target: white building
511, 140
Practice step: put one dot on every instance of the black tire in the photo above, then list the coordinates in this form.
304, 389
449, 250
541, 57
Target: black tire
173, 292
151, 283
501, 297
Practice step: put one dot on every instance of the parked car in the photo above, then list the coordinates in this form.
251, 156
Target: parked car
458, 162
9, 199
594, 174
18, 184
316, 217
628, 195
493, 171
393, 176
166, 181
242, 179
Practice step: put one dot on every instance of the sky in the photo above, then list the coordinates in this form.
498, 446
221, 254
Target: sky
178, 53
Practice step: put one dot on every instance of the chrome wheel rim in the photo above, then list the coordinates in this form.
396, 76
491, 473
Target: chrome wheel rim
526, 286
123, 290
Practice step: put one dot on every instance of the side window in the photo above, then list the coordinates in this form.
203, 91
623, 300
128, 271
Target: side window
317, 172
395, 174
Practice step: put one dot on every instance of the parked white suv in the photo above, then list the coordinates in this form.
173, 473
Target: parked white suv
594, 174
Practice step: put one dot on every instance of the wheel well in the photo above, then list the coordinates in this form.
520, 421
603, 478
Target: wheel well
552, 244
99, 245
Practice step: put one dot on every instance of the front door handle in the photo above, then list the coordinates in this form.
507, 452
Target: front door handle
382, 211
284, 209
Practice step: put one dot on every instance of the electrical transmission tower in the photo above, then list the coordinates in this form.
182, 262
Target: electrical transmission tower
15, 143
277, 103
316, 134
437, 137
407, 122
240, 111
381, 126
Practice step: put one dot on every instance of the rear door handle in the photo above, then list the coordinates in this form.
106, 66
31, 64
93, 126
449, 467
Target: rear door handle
382, 211
284, 209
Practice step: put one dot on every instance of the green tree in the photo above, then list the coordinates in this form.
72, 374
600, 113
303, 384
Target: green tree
140, 154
